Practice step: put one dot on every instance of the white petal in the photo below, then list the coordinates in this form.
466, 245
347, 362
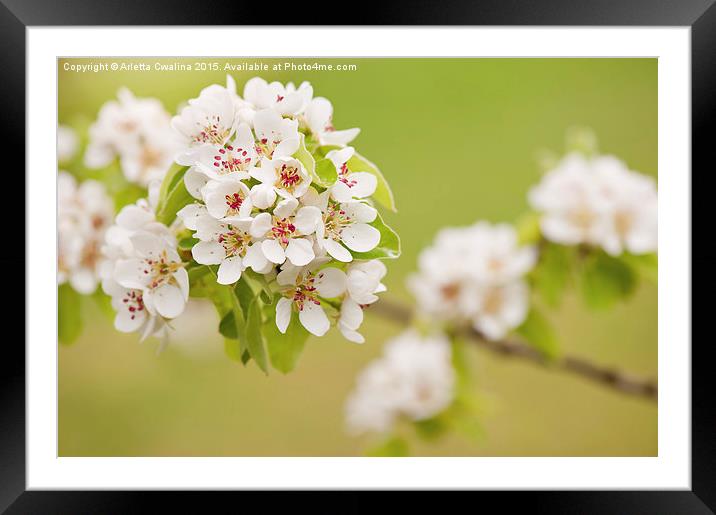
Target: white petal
194, 182
84, 281
260, 225
350, 334
133, 217
230, 270
273, 251
307, 218
255, 258
299, 251
182, 278
330, 282
365, 184
337, 250
360, 212
129, 273
208, 252
283, 314
285, 208
127, 322
351, 314
169, 301
339, 137
189, 214
263, 195
314, 319
360, 237
286, 148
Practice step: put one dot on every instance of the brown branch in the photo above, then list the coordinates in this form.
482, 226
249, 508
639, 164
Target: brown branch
611, 378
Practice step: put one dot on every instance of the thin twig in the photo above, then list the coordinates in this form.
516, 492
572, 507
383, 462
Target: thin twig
611, 378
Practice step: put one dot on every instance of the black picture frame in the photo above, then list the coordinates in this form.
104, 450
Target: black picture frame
17, 15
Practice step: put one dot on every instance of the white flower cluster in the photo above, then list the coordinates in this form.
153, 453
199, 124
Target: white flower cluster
138, 132
143, 273
598, 201
258, 208
475, 274
84, 214
414, 379
67, 143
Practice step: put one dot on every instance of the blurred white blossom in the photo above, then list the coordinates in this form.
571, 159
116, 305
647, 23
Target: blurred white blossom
67, 143
413, 379
598, 201
136, 131
474, 274
84, 213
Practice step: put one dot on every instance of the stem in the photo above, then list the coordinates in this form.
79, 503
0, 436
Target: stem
611, 378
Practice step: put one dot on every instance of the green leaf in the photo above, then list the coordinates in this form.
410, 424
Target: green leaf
606, 280
646, 265
388, 246
176, 198
69, 314
245, 294
383, 193
306, 159
551, 274
254, 337
326, 172
392, 447
284, 349
171, 179
431, 428
187, 243
538, 332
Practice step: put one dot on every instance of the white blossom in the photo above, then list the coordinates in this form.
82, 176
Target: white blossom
137, 131
67, 143
319, 119
598, 201
363, 283
474, 274
414, 379
228, 245
143, 272
350, 185
85, 212
304, 290
285, 234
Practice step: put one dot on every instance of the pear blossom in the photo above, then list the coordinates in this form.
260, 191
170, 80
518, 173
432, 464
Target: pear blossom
85, 213
230, 161
256, 206
343, 224
228, 245
319, 119
475, 274
363, 282
209, 118
414, 380
284, 100
227, 199
285, 177
303, 290
67, 143
598, 201
500, 308
286, 233
135, 130
349, 185
275, 136
158, 271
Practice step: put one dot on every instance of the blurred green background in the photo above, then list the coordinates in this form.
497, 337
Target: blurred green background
458, 139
